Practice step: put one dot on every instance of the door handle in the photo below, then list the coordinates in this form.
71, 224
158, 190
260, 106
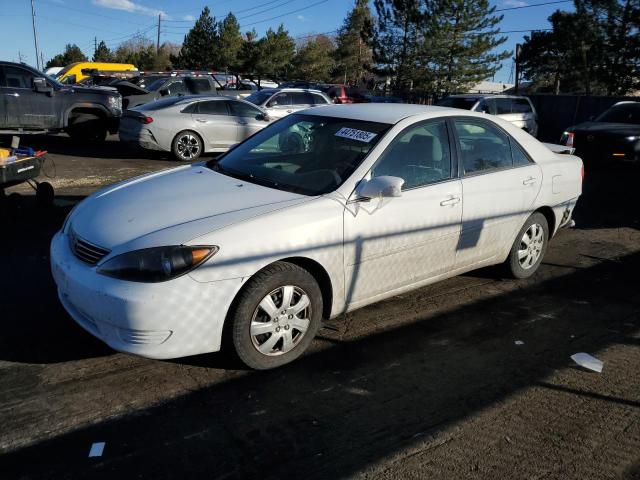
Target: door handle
529, 181
449, 202
242, 123
289, 111
200, 120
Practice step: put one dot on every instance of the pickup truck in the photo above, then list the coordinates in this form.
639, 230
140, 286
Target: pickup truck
32, 102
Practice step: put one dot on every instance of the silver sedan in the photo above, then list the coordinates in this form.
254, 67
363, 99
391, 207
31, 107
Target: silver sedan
191, 125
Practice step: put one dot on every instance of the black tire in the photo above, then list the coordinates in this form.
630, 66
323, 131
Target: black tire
514, 263
44, 194
246, 306
187, 146
87, 128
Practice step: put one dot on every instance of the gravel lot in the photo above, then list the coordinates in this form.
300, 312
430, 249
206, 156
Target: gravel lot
425, 385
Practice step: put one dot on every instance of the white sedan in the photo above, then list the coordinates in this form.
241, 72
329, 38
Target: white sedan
322, 212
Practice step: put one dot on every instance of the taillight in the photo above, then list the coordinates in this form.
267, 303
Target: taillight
582, 172
567, 138
146, 120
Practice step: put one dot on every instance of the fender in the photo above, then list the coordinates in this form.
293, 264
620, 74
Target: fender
84, 105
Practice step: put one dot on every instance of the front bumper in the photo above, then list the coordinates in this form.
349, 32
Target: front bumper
171, 319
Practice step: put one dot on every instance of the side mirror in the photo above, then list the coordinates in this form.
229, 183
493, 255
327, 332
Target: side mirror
377, 187
263, 116
40, 85
164, 92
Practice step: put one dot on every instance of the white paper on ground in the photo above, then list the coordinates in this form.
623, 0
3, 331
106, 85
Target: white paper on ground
96, 449
519, 342
587, 361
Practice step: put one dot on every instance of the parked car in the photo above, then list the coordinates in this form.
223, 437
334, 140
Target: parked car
614, 135
76, 72
151, 88
191, 125
33, 102
344, 94
515, 109
279, 102
264, 243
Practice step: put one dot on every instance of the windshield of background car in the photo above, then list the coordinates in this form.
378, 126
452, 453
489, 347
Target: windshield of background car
458, 102
306, 154
154, 85
258, 98
629, 113
160, 104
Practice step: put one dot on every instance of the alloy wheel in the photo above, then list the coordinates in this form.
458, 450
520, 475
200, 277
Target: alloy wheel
531, 245
188, 146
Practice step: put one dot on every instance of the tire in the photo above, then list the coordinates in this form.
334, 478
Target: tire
88, 128
524, 259
44, 194
186, 146
283, 338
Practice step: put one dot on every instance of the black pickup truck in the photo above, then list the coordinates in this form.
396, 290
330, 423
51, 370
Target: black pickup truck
31, 101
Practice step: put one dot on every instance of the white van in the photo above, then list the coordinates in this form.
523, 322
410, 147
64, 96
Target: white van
514, 109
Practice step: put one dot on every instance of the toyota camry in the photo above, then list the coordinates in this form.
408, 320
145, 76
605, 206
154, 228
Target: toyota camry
320, 213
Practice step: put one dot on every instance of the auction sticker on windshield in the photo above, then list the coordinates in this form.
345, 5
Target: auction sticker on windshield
355, 134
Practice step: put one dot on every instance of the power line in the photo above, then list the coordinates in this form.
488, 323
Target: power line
285, 14
533, 5
266, 9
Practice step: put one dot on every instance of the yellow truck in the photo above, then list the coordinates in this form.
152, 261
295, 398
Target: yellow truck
76, 72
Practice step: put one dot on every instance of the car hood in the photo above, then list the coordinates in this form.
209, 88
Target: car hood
172, 207
100, 90
622, 129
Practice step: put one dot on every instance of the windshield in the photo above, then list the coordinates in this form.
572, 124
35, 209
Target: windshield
626, 113
154, 85
258, 98
305, 154
458, 102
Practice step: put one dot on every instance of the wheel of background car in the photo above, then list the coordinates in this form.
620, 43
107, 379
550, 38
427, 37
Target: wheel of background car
529, 247
44, 194
276, 316
187, 146
290, 143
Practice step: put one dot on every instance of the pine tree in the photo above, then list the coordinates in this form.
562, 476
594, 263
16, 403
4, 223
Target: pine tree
71, 54
313, 60
102, 53
229, 43
198, 52
275, 53
459, 44
396, 39
249, 53
354, 54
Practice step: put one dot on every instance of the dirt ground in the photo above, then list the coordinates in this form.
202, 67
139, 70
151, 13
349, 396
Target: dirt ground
426, 385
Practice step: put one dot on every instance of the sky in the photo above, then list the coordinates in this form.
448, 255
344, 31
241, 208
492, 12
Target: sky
60, 22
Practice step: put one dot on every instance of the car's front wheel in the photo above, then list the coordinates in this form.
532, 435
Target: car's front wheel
276, 316
529, 247
187, 146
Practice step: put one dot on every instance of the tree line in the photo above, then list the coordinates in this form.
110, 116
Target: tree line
439, 46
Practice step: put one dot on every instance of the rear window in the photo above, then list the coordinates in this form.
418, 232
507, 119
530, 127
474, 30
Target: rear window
464, 103
626, 113
198, 85
521, 105
503, 106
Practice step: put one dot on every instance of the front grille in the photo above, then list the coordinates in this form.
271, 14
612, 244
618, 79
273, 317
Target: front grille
86, 251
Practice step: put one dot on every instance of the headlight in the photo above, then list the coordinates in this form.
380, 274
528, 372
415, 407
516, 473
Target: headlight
632, 138
156, 264
115, 103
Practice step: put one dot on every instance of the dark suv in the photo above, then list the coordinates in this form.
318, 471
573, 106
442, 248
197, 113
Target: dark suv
34, 102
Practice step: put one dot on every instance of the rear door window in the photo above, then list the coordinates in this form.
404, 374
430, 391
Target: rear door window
318, 99
212, 107
521, 105
301, 98
15, 77
281, 100
503, 106
483, 147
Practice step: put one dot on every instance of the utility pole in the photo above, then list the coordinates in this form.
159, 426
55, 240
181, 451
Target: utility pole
19, 56
158, 40
42, 59
518, 51
95, 47
35, 35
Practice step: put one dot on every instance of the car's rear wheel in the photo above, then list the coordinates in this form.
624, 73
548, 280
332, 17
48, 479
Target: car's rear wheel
529, 247
276, 316
187, 146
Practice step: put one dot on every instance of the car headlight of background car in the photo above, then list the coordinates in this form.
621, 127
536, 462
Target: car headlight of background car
156, 264
115, 103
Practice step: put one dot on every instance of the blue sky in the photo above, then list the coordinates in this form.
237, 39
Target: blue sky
78, 21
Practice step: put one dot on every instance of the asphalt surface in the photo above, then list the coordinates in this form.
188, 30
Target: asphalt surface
429, 384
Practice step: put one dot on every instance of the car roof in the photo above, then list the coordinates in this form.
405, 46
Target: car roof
291, 89
485, 95
377, 112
